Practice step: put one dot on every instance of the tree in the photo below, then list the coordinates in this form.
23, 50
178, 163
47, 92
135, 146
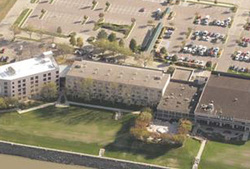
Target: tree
171, 70
209, 64
163, 50
133, 45
185, 126
79, 42
2, 103
102, 35
101, 15
49, 92
64, 49
72, 40
94, 2
107, 4
85, 85
30, 29
111, 46
133, 20
121, 43
175, 58
112, 37
59, 30
43, 11
145, 117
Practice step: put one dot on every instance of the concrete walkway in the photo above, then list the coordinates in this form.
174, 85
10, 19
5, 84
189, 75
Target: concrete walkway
198, 157
100, 107
35, 108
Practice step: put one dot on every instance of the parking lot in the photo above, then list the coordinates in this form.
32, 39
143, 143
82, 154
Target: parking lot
20, 50
69, 14
207, 39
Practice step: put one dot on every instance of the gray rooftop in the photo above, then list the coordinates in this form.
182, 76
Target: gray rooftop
230, 97
119, 74
180, 97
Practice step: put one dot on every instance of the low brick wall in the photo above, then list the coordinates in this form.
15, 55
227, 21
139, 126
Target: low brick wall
65, 157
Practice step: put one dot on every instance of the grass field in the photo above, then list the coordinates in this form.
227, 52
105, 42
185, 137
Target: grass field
88, 130
5, 6
225, 156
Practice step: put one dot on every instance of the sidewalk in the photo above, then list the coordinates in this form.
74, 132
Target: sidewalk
35, 108
100, 107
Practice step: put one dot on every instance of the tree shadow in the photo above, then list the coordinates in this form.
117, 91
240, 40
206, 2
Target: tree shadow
86, 7
126, 143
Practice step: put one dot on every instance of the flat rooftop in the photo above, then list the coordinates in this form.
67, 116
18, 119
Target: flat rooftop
180, 97
230, 97
119, 74
27, 67
182, 74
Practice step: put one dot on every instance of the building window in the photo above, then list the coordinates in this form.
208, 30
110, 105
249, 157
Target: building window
57, 72
44, 75
44, 79
49, 74
36, 77
24, 80
5, 83
19, 81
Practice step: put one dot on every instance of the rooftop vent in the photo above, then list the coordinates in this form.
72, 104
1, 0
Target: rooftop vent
157, 78
235, 99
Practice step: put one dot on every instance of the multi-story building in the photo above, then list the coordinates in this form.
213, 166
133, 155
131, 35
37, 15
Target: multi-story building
225, 102
179, 101
115, 83
24, 79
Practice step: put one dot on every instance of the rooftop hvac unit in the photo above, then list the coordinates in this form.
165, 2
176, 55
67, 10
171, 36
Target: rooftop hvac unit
11, 71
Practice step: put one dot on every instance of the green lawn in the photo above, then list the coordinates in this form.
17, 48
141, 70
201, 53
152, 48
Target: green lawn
5, 6
225, 156
88, 130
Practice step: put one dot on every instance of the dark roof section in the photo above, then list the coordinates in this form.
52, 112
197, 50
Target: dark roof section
154, 37
180, 96
229, 94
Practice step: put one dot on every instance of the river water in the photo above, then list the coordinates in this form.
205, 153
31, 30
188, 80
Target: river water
16, 162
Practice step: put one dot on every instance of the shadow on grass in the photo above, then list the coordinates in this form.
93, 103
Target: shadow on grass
75, 115
124, 143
